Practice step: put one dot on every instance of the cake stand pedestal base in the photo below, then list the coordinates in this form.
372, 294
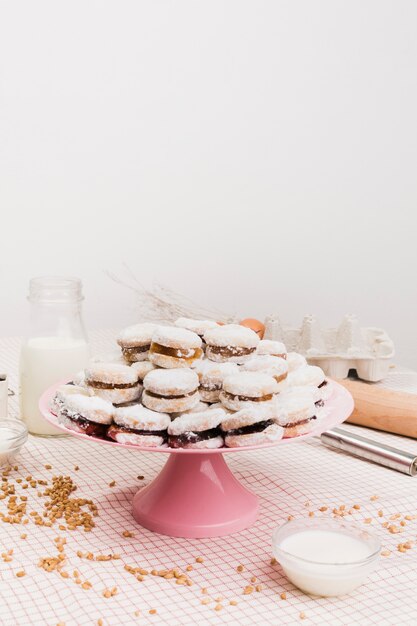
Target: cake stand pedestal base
195, 495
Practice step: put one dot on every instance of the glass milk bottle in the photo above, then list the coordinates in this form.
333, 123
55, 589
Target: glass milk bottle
55, 348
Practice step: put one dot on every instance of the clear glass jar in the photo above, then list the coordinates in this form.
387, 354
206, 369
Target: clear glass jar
55, 348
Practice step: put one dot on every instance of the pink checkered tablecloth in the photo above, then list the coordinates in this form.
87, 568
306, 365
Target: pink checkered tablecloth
290, 480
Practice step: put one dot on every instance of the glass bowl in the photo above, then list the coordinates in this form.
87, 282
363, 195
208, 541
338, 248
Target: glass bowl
334, 569
13, 435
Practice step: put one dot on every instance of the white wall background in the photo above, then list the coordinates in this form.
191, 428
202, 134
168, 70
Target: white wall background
257, 156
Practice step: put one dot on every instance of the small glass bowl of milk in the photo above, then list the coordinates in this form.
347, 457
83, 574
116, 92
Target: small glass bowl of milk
13, 435
325, 557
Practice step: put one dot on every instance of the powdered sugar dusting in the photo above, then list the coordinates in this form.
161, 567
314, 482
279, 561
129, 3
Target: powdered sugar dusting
196, 326
139, 417
111, 373
253, 384
174, 337
136, 335
274, 348
272, 365
308, 375
232, 335
171, 382
196, 422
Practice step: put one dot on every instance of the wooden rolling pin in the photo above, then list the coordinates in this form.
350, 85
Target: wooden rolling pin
383, 409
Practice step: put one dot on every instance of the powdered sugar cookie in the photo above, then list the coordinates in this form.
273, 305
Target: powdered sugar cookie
230, 342
196, 430
113, 382
273, 348
175, 347
310, 375
142, 368
296, 412
63, 392
199, 407
135, 341
139, 426
251, 427
196, 326
211, 375
247, 389
295, 361
86, 414
170, 391
273, 365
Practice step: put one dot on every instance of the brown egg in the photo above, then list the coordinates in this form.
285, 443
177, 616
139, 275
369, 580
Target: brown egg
254, 325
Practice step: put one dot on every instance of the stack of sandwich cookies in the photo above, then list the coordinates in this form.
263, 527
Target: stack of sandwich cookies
139, 426
173, 347
230, 343
310, 375
113, 382
272, 348
251, 427
211, 375
197, 430
273, 365
248, 389
135, 341
296, 412
90, 415
62, 393
171, 391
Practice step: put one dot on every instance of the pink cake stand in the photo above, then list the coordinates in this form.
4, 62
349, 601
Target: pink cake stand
195, 494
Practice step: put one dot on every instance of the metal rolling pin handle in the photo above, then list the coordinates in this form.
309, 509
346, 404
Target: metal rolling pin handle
371, 450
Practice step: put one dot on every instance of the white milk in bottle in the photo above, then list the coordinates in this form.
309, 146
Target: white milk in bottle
56, 347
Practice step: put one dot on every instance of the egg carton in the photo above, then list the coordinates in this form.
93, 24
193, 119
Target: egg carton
367, 350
